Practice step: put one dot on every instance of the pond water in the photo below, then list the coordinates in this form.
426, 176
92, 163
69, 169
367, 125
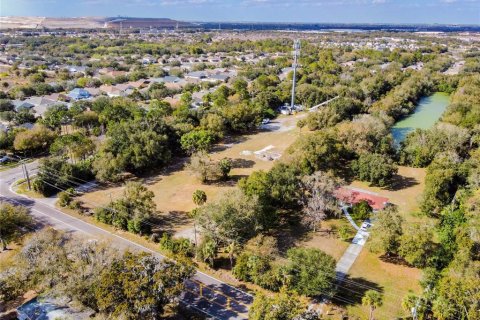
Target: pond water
427, 112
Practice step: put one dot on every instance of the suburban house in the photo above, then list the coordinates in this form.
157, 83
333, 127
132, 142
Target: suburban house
41, 104
19, 105
171, 82
120, 90
347, 195
222, 77
79, 94
196, 75
111, 72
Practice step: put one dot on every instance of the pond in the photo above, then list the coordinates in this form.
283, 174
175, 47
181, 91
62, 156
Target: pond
427, 112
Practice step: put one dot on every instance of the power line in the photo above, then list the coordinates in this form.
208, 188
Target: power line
52, 175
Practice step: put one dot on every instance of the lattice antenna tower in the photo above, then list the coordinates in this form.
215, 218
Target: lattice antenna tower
296, 53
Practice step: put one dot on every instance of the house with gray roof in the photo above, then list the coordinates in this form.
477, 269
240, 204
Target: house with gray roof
79, 94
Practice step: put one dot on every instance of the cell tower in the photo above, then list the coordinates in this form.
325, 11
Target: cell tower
296, 52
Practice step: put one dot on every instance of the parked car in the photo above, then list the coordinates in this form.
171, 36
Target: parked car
5, 159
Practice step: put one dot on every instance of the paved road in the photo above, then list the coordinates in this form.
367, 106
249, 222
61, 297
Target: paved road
204, 293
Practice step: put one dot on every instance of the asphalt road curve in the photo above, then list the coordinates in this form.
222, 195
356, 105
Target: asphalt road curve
203, 293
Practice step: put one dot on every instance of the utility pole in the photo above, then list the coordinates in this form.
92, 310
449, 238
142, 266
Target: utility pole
296, 49
414, 310
27, 177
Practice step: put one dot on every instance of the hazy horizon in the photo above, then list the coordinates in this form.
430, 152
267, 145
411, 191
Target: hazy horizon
263, 11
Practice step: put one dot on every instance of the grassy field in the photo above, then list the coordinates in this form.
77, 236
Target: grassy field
370, 271
393, 280
174, 186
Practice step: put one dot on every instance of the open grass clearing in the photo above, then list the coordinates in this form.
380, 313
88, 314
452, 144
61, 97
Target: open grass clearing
370, 272
174, 186
405, 192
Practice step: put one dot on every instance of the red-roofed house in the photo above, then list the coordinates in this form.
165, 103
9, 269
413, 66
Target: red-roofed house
352, 196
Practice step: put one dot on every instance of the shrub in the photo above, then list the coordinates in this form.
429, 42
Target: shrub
64, 199
345, 233
180, 246
361, 210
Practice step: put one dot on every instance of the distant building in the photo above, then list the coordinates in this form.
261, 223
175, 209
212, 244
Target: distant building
196, 75
167, 79
41, 104
79, 94
222, 77
20, 105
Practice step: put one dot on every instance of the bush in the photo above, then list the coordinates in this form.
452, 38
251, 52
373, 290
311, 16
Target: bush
180, 246
76, 205
64, 198
361, 210
257, 269
345, 233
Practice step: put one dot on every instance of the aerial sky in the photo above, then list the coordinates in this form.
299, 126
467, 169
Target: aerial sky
350, 11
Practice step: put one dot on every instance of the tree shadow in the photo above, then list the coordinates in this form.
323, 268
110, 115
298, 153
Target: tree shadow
399, 182
242, 163
394, 259
230, 182
351, 290
156, 175
227, 143
290, 232
170, 221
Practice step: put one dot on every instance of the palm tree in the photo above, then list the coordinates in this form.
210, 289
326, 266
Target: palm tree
209, 251
199, 197
232, 250
373, 299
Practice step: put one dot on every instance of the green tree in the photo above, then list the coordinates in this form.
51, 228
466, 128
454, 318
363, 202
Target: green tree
282, 306
232, 217
56, 174
132, 211
241, 117
374, 168
225, 166
139, 286
310, 272
55, 116
372, 299
13, 219
197, 140
75, 146
444, 175
207, 251
386, 232
35, 140
214, 124
416, 245
259, 184
361, 210
6, 105
137, 145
